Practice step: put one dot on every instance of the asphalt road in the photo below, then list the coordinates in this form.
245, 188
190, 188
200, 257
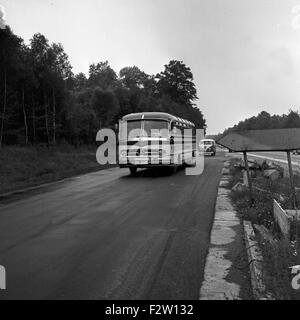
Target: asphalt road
107, 235
281, 156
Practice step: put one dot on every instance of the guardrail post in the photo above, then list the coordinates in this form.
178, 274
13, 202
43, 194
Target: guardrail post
248, 176
295, 205
291, 176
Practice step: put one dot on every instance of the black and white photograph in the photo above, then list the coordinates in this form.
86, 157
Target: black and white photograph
150, 153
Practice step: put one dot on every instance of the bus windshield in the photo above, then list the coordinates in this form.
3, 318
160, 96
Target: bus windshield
206, 142
154, 128
134, 125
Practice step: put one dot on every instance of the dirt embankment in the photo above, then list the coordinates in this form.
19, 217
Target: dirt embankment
22, 167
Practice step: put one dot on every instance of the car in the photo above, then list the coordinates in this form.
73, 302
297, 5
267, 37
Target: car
296, 151
208, 147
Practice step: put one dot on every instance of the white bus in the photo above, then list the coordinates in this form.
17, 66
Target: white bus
156, 139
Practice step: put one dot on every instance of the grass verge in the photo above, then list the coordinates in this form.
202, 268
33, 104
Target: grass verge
281, 254
22, 167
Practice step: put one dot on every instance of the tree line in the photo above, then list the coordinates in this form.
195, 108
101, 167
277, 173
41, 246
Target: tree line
43, 101
265, 120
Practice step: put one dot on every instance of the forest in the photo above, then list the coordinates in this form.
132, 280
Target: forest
265, 120
43, 102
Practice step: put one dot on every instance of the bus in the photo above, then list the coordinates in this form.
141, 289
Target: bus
208, 147
156, 139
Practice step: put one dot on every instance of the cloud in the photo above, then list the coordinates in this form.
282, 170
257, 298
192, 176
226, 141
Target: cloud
296, 17
2, 18
280, 62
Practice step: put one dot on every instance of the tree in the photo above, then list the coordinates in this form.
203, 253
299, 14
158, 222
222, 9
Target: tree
292, 120
25, 85
52, 69
10, 51
81, 119
42, 101
79, 82
59, 70
133, 77
39, 48
123, 96
176, 81
102, 75
106, 107
266, 121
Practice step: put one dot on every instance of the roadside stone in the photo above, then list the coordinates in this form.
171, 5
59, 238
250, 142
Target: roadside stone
271, 164
253, 165
226, 215
225, 178
271, 174
227, 164
265, 233
223, 203
255, 262
245, 178
225, 172
223, 192
239, 187
293, 214
223, 184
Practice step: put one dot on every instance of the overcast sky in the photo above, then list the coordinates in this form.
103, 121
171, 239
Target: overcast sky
245, 55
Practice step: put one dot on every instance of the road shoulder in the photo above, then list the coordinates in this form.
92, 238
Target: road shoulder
226, 275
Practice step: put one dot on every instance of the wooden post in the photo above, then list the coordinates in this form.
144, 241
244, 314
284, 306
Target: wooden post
295, 205
291, 179
248, 176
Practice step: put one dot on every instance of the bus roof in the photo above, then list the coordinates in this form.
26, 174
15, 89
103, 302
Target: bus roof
211, 140
155, 115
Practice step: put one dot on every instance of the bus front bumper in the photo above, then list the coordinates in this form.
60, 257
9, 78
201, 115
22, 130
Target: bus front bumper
146, 162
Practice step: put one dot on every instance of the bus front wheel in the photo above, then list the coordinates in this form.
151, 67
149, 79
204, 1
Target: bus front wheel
133, 171
174, 169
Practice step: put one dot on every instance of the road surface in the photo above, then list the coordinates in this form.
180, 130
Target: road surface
107, 235
279, 156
